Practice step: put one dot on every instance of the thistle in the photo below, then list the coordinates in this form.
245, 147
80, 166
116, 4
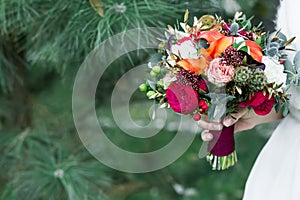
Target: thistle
258, 80
242, 75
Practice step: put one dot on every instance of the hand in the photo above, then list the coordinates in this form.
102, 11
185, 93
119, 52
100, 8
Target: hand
244, 119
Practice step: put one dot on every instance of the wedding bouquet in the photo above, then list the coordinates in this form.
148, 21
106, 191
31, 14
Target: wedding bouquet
215, 67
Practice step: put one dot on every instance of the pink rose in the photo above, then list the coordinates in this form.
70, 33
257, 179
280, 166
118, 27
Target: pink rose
261, 104
218, 73
182, 98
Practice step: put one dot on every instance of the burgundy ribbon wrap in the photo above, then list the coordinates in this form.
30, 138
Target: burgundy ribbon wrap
223, 142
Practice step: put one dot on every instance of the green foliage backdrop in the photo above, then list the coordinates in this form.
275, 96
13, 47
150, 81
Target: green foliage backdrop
42, 44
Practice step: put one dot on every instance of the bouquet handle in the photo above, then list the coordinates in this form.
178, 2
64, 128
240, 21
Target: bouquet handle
222, 154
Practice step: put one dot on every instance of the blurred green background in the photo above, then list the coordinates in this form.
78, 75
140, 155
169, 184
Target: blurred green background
42, 45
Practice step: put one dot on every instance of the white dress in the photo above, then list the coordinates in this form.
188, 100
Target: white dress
276, 172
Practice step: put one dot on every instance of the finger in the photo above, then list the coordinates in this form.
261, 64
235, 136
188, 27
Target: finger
243, 125
241, 113
205, 118
214, 126
231, 119
228, 121
206, 136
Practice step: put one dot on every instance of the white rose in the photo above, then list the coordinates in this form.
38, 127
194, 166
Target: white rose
274, 71
186, 50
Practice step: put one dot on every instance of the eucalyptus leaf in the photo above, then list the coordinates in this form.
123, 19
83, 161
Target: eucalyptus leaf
202, 44
234, 28
285, 109
277, 107
273, 51
275, 44
218, 105
297, 61
152, 84
288, 66
282, 37
155, 59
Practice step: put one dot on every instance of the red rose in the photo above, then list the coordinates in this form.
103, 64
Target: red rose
261, 104
182, 98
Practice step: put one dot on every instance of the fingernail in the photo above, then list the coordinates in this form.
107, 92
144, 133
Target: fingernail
207, 137
228, 121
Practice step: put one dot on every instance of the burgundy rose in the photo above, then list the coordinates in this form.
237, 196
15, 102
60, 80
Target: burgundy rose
182, 98
261, 104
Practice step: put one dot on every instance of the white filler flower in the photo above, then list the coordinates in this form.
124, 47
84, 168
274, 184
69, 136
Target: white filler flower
274, 71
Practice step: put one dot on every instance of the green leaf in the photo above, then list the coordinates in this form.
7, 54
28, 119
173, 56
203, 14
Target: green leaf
245, 49
258, 40
238, 44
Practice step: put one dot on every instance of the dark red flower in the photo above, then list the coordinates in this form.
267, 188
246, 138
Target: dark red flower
261, 104
182, 98
202, 85
185, 77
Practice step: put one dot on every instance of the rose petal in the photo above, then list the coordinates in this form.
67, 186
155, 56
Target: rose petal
182, 98
210, 36
218, 46
197, 66
261, 104
255, 50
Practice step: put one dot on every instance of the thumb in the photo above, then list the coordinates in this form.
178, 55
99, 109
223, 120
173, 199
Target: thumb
234, 117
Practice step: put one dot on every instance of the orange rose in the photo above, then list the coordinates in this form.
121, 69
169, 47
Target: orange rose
196, 65
218, 42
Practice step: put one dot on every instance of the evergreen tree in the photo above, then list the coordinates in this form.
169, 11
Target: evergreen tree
42, 44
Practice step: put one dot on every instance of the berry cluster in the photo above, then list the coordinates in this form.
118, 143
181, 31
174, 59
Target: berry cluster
189, 78
203, 107
232, 56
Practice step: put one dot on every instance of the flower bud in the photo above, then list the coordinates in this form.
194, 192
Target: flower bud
197, 117
205, 107
153, 73
143, 87
156, 69
201, 102
160, 83
150, 94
